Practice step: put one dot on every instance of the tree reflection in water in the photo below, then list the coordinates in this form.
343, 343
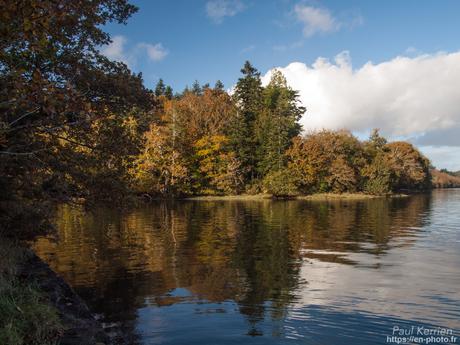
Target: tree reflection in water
246, 252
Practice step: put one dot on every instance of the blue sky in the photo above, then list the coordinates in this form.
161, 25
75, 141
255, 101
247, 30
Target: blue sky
269, 34
181, 41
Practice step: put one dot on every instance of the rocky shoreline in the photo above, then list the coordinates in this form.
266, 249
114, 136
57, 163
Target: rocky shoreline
80, 325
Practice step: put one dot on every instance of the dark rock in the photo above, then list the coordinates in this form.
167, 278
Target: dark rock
81, 326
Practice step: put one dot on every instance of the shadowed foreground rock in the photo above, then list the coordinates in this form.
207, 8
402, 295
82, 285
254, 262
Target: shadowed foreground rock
80, 325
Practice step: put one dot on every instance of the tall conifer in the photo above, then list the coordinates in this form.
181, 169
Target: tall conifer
248, 96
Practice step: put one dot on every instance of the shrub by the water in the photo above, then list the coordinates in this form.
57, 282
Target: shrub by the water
280, 183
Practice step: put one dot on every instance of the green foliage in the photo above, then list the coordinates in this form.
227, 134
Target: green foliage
377, 186
196, 88
219, 86
248, 98
376, 176
160, 88
168, 92
280, 183
276, 124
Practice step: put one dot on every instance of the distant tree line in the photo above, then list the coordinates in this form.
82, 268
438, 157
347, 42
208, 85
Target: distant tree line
206, 141
445, 179
75, 125
452, 173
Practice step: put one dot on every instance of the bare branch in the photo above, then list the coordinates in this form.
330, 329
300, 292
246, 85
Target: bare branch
23, 116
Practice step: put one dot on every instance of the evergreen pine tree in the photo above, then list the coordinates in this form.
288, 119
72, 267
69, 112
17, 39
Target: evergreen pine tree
248, 97
160, 88
196, 88
219, 86
276, 124
169, 92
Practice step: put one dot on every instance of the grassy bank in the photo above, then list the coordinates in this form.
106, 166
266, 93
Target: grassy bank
318, 196
347, 196
26, 315
241, 197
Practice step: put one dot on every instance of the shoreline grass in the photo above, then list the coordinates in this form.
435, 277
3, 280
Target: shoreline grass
26, 315
348, 196
317, 196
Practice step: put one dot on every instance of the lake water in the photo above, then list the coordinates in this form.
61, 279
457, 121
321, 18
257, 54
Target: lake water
266, 272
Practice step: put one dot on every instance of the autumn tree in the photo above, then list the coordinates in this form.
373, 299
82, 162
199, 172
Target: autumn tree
392, 167
326, 161
161, 168
55, 86
338, 162
193, 128
219, 169
199, 115
410, 170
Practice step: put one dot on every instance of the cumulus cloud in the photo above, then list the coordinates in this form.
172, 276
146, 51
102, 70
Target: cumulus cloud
403, 97
315, 19
217, 10
413, 98
155, 52
117, 50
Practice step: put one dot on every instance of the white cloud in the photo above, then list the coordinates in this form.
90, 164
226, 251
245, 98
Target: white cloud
315, 19
155, 52
217, 10
403, 97
408, 97
116, 50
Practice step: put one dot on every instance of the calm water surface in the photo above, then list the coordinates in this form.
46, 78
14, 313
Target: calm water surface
265, 272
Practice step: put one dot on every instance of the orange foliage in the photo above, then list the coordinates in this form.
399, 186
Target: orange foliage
326, 161
444, 180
